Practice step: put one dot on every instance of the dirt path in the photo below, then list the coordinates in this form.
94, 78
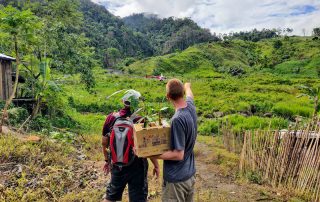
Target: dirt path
212, 185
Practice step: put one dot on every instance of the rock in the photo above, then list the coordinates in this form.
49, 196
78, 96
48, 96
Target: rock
208, 116
244, 114
18, 170
81, 157
298, 118
218, 114
33, 138
268, 114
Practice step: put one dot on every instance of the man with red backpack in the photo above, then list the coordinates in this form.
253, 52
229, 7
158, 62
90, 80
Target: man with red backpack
124, 165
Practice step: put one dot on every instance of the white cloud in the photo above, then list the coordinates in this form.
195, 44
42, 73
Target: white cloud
223, 16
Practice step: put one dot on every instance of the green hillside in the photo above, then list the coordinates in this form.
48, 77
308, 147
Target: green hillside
231, 81
244, 81
295, 57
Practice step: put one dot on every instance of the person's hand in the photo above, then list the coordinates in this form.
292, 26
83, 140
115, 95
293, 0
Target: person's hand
187, 85
156, 172
134, 151
106, 168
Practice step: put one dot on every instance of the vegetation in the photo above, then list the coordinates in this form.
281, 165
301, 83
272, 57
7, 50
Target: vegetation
168, 35
248, 80
254, 35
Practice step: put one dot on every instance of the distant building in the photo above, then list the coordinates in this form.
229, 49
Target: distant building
5, 76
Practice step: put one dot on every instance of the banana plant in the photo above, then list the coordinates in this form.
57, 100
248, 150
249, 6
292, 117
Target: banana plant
42, 79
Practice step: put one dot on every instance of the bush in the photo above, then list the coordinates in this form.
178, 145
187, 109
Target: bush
240, 123
64, 121
277, 44
254, 177
94, 107
234, 69
289, 110
17, 115
209, 127
243, 107
129, 61
40, 123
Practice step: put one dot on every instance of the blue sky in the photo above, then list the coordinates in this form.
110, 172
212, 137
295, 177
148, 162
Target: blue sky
223, 16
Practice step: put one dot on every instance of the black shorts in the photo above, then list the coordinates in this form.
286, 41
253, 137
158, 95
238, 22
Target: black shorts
135, 176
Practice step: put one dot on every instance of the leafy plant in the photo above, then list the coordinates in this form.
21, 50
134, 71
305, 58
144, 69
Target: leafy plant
21, 27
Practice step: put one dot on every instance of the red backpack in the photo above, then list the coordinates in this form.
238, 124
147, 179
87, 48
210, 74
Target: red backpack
121, 142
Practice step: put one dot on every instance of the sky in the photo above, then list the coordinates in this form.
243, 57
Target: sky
224, 16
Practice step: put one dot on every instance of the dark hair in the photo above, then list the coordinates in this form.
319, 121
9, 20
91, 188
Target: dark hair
175, 89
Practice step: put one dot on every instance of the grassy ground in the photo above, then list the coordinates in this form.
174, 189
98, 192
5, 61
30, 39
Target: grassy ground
256, 98
250, 102
53, 171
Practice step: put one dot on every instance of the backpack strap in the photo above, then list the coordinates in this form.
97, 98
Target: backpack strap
117, 116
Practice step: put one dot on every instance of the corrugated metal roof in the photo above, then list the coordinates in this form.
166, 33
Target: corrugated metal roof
5, 57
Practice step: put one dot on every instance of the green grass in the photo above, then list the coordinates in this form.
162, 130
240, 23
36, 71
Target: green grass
244, 97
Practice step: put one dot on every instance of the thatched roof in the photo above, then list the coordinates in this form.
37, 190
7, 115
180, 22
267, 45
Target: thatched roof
5, 57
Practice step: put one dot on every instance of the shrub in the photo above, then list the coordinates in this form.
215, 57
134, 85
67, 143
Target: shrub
209, 127
254, 177
240, 123
243, 107
40, 123
17, 115
289, 110
129, 61
277, 44
234, 69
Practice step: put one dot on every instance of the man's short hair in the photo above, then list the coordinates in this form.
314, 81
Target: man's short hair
175, 89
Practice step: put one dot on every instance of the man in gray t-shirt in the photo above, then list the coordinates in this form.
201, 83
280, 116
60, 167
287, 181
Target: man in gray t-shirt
179, 164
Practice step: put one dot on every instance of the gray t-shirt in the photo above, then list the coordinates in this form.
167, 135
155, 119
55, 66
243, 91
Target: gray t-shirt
183, 137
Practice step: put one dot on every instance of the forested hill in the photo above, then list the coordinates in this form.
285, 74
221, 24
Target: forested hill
169, 34
109, 35
112, 37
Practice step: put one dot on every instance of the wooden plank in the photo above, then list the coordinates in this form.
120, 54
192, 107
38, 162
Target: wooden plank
1, 80
6, 80
10, 78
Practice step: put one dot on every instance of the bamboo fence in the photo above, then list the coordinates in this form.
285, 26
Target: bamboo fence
288, 159
232, 141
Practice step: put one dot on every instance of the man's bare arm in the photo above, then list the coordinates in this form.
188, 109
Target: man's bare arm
175, 155
187, 88
156, 169
104, 147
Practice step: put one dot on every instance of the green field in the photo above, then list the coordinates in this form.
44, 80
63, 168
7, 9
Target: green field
229, 80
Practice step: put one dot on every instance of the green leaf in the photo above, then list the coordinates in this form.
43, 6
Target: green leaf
44, 70
164, 108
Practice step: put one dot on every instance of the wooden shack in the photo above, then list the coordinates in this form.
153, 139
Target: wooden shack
5, 76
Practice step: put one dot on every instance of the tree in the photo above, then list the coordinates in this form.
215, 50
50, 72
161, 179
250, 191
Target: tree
277, 44
112, 57
316, 31
20, 27
65, 44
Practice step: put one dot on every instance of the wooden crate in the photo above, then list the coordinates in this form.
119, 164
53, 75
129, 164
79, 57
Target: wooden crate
151, 141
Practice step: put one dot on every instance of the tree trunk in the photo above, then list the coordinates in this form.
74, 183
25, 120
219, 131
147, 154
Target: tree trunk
37, 107
33, 114
4, 116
